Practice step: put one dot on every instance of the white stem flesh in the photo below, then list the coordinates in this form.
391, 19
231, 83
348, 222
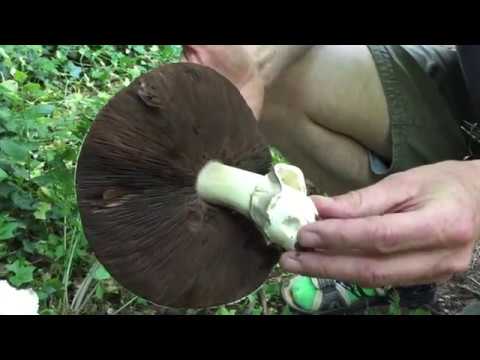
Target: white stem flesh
228, 186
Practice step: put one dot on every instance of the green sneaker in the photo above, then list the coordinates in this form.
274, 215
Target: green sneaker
320, 296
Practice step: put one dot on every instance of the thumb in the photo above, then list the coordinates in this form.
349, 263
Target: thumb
192, 54
380, 198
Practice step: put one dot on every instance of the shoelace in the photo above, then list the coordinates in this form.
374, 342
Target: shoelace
356, 290
352, 288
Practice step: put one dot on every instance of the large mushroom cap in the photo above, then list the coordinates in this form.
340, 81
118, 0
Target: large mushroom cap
136, 179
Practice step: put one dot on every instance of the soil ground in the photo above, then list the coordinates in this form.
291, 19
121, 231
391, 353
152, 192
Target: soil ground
461, 291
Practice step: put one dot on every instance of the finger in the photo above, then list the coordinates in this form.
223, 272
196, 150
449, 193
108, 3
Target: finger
387, 234
388, 194
402, 270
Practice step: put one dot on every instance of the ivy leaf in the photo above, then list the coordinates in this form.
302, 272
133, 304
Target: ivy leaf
7, 230
271, 290
4, 54
33, 89
3, 175
99, 292
420, 312
50, 287
101, 274
6, 190
9, 90
224, 311
43, 109
59, 251
41, 212
23, 273
20, 172
23, 200
15, 150
28, 246
257, 311
9, 86
5, 113
394, 307
139, 49
100, 74
45, 68
73, 70
20, 76
7, 120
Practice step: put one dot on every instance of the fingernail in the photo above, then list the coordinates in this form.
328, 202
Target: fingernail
323, 199
308, 239
290, 262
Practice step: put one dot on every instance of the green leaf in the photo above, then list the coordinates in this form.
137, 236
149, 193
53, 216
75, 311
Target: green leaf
23, 200
15, 150
3, 249
3, 175
59, 251
43, 109
42, 209
5, 114
6, 190
100, 74
394, 307
141, 301
272, 290
101, 274
48, 312
20, 172
257, 311
8, 120
139, 49
420, 312
3, 53
20, 76
45, 67
23, 272
7, 230
33, 89
73, 70
224, 311
50, 287
99, 292
9, 86
28, 246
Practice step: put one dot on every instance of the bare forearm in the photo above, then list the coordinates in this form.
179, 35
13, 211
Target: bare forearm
271, 60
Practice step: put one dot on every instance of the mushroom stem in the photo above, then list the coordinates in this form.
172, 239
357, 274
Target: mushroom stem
276, 202
228, 186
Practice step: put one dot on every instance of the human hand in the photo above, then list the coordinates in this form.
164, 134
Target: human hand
412, 228
236, 63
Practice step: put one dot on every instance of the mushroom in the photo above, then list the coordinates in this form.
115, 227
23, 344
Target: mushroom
15, 301
177, 194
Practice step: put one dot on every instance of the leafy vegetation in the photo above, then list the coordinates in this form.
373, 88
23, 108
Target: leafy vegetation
49, 96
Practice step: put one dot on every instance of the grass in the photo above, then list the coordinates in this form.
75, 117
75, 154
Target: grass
49, 96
